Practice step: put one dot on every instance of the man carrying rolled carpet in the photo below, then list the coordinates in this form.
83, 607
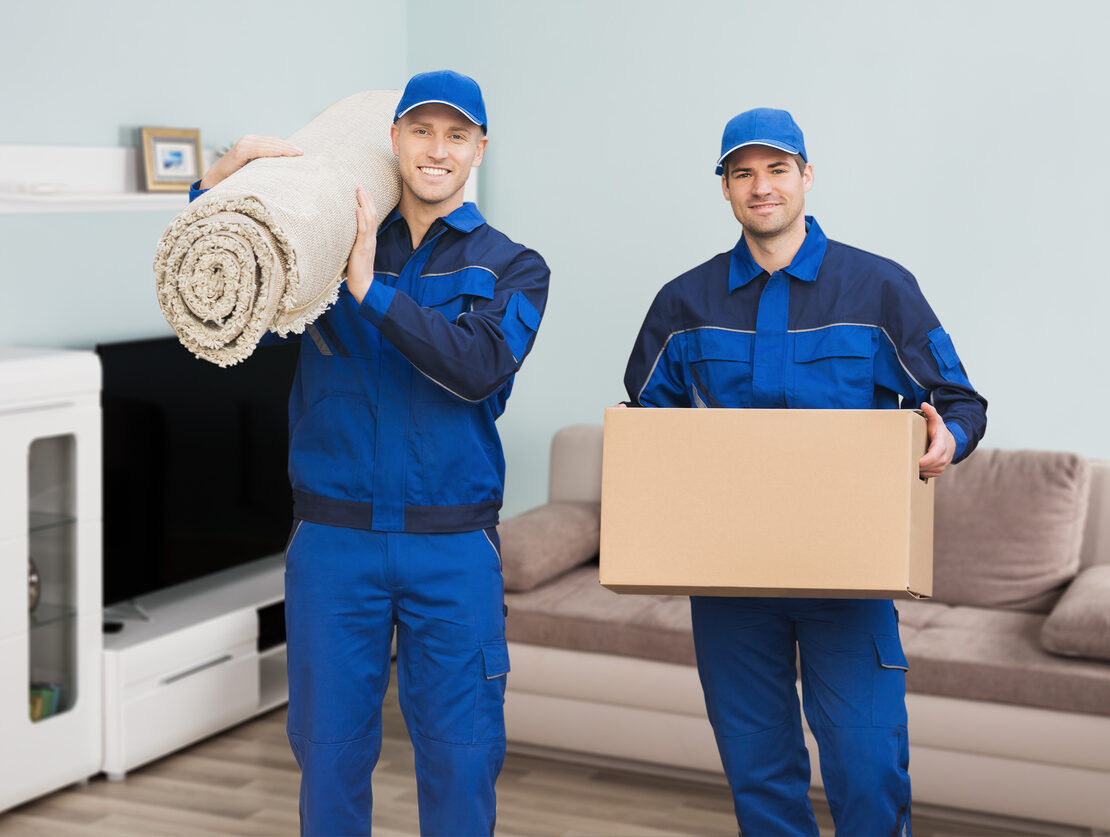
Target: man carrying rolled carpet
398, 475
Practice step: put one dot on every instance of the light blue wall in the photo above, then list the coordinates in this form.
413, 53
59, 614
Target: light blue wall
963, 140
80, 72
76, 72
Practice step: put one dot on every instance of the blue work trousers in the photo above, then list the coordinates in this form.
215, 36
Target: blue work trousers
345, 591
853, 689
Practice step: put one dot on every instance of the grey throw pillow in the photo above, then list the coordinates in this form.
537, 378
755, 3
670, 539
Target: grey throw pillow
547, 541
1079, 625
1008, 528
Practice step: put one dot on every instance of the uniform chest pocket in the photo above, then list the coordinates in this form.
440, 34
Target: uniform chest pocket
833, 368
452, 293
720, 368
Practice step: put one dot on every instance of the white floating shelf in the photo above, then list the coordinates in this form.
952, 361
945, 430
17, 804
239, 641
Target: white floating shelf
55, 178
90, 202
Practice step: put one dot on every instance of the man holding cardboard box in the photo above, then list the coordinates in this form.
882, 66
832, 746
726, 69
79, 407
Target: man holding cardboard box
790, 319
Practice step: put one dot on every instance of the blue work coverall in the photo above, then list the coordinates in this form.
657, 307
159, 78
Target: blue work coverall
837, 328
398, 475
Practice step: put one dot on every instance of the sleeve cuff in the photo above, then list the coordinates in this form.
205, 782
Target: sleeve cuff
960, 437
376, 302
195, 191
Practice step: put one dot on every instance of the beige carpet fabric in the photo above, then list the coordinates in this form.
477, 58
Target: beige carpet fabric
267, 248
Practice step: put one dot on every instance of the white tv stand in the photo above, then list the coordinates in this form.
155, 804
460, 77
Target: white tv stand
193, 666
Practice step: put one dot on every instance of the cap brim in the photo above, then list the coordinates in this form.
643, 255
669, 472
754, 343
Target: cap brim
781, 146
438, 102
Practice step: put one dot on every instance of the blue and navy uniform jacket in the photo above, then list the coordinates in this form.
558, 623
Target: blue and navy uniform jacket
839, 328
392, 410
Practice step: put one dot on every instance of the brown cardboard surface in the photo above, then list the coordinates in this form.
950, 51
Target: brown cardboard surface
766, 503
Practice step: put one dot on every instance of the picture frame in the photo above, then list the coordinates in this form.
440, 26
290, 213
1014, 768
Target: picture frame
173, 158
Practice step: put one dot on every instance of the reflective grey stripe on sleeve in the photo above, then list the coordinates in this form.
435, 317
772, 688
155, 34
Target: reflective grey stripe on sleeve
318, 339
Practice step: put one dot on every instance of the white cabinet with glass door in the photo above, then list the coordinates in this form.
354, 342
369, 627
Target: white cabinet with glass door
50, 571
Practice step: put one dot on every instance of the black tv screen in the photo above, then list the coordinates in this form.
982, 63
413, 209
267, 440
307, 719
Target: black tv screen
194, 463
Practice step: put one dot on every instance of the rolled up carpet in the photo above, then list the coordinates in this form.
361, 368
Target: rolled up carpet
267, 247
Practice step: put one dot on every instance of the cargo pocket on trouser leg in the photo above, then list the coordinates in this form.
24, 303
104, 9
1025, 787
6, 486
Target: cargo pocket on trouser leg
889, 710
455, 781
865, 769
888, 699
489, 720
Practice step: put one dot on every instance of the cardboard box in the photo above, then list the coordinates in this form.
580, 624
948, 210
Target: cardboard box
721, 502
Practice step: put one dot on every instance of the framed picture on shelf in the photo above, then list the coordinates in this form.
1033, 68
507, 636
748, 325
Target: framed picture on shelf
172, 158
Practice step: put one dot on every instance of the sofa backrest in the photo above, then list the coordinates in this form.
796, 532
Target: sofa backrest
576, 475
1009, 528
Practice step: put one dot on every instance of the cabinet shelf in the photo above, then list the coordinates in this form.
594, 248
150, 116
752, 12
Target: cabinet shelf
47, 614
41, 521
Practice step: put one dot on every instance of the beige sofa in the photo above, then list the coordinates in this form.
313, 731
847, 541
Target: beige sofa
997, 722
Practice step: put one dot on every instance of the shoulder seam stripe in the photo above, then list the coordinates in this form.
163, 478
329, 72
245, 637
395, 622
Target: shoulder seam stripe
893, 345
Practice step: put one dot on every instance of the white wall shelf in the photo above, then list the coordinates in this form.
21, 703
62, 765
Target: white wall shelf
89, 202
56, 178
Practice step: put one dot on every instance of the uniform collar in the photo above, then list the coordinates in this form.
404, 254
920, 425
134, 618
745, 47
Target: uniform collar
465, 219
742, 268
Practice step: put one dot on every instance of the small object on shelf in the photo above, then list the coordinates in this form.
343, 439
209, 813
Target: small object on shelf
34, 586
172, 158
44, 700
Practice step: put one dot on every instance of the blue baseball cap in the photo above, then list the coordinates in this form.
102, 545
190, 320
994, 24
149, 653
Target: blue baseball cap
762, 126
444, 87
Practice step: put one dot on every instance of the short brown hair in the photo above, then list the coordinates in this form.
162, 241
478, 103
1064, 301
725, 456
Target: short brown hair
797, 158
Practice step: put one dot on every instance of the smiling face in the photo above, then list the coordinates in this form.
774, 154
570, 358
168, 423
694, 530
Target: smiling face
766, 190
436, 147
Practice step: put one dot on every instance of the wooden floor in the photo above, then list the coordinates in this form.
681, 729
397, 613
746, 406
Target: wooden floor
244, 782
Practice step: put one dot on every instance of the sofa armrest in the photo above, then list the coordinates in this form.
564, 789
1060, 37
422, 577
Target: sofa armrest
1079, 624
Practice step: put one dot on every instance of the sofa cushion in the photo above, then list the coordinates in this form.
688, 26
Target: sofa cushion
995, 655
961, 652
576, 612
545, 542
1079, 625
1008, 528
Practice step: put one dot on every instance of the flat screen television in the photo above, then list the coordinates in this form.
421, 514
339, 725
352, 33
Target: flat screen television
194, 463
